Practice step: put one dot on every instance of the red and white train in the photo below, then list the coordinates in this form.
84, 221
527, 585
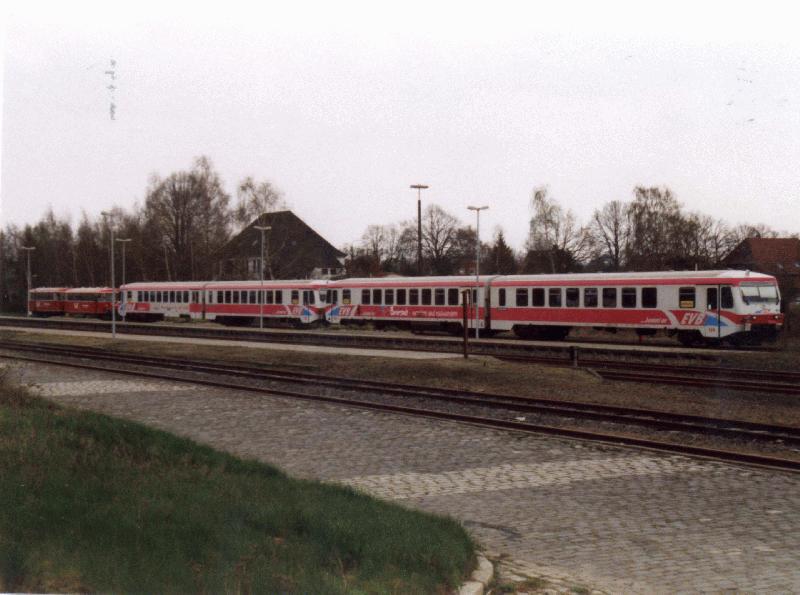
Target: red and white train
740, 307
229, 302
695, 306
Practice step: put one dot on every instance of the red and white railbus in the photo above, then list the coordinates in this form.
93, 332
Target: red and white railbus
695, 306
46, 301
90, 301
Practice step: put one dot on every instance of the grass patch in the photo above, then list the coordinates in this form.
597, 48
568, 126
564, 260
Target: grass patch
92, 503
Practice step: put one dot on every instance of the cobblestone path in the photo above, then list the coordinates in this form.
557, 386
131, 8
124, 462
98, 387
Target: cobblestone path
620, 520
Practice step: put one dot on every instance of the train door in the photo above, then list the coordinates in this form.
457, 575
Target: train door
306, 314
333, 313
713, 320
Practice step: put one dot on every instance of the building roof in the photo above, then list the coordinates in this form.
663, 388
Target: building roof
291, 248
770, 255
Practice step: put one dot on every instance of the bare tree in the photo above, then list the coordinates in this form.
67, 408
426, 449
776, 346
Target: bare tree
255, 199
190, 209
555, 232
610, 229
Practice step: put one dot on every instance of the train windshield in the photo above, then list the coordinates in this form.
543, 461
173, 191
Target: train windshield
759, 294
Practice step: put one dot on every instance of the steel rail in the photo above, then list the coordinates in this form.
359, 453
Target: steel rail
619, 415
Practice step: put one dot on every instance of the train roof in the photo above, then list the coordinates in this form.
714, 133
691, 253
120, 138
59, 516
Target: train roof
468, 280
161, 285
276, 284
89, 290
663, 277
49, 289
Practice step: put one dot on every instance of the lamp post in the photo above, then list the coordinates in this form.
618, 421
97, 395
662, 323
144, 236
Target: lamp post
106, 215
419, 188
262, 229
28, 249
123, 241
477, 263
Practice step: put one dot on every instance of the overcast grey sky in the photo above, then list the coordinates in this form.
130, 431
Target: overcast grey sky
343, 107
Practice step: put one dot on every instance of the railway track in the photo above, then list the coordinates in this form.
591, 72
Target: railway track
499, 411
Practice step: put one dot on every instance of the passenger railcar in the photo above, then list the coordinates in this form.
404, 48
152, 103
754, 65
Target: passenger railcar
90, 301
300, 302
414, 302
695, 306
148, 302
46, 301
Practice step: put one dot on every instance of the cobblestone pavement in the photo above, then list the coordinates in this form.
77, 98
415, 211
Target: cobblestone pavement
616, 519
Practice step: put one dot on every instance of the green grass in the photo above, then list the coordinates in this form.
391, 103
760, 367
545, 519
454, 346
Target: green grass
92, 503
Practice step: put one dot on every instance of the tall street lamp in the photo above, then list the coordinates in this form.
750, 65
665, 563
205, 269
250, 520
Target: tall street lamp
28, 249
123, 241
262, 229
419, 188
106, 215
477, 263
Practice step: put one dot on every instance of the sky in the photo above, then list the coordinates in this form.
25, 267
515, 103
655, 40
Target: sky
344, 105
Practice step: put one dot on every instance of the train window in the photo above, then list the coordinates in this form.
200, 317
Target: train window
711, 298
227, 299
346, 296
401, 297
474, 296
172, 296
236, 297
179, 297
590, 297
253, 298
522, 297
609, 297
388, 296
365, 296
649, 297
554, 297
573, 297
246, 298
628, 297
452, 296
438, 294
426, 297
537, 297
501, 297
376, 297
413, 297
308, 297
727, 296
269, 297
186, 297
295, 297
686, 297
279, 296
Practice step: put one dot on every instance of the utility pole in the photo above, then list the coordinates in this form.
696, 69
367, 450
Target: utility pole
262, 229
28, 249
419, 188
477, 265
106, 215
122, 295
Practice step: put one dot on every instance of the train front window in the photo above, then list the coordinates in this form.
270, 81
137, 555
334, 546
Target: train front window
759, 294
